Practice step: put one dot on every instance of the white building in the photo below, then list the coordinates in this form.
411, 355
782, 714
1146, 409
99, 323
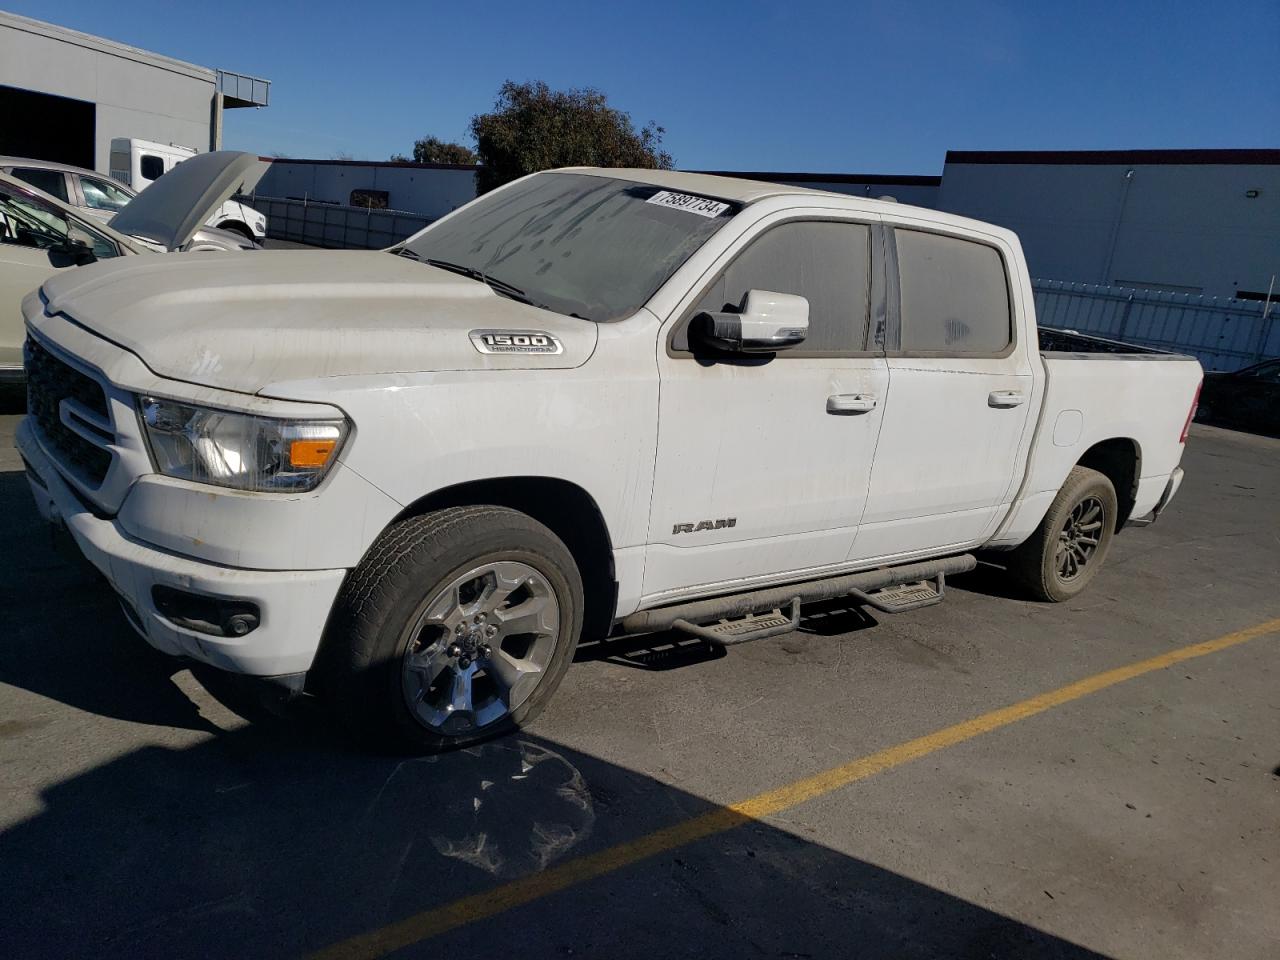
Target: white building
64, 95
1188, 221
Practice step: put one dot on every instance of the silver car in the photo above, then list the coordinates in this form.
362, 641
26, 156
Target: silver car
102, 198
40, 234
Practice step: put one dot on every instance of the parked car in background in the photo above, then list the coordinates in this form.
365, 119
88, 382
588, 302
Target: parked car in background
1248, 398
103, 197
588, 401
41, 234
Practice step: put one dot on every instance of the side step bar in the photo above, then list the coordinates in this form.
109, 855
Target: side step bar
756, 626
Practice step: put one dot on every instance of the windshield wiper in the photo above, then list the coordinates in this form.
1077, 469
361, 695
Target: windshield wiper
498, 286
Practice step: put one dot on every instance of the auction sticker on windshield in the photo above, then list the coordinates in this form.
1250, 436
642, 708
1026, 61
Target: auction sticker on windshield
689, 203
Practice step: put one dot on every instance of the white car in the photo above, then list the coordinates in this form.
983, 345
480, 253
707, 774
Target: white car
590, 401
103, 197
40, 235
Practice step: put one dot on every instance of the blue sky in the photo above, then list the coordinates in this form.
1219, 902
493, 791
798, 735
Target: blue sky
882, 87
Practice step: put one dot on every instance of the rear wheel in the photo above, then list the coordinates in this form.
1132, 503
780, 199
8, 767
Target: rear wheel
457, 626
1057, 562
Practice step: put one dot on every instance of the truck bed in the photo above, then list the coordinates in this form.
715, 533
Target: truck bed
1127, 400
1069, 343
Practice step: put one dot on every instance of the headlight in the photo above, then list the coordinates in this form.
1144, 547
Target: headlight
239, 450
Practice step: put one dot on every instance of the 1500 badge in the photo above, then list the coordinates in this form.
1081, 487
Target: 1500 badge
515, 341
704, 525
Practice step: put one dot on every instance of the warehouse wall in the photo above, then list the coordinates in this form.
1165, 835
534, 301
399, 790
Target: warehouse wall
431, 190
137, 94
1186, 227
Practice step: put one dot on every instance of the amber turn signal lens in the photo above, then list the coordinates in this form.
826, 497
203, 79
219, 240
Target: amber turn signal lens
311, 453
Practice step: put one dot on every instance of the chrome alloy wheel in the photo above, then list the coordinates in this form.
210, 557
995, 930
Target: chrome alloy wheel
479, 646
1079, 538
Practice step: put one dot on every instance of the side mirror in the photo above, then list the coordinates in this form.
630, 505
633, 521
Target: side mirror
77, 239
79, 245
766, 322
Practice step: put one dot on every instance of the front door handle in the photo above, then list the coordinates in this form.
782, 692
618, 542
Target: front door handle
1006, 398
844, 404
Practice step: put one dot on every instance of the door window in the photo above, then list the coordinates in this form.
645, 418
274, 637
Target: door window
52, 182
152, 167
954, 295
826, 262
27, 223
102, 194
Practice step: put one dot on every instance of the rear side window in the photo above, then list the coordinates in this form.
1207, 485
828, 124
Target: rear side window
102, 194
151, 167
52, 182
954, 295
827, 263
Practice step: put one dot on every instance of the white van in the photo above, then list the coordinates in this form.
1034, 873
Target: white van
137, 163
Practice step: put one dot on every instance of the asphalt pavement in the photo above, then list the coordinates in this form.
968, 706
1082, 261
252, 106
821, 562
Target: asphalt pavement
673, 802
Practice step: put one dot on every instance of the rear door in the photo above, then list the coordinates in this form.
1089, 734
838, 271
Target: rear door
960, 388
763, 461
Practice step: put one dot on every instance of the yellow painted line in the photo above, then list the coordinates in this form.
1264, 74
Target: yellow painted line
489, 903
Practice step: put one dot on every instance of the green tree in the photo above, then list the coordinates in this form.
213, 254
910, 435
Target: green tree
435, 150
533, 127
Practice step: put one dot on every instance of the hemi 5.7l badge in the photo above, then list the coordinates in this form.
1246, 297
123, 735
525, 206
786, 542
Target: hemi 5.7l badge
515, 341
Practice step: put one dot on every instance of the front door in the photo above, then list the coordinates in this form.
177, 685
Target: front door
960, 388
33, 244
763, 462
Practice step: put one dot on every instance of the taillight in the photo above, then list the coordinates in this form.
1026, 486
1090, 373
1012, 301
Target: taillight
1195, 402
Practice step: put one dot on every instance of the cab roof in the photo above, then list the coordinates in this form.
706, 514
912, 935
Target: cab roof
743, 191
705, 184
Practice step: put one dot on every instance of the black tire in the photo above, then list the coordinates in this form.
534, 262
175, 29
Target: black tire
363, 662
235, 226
1036, 564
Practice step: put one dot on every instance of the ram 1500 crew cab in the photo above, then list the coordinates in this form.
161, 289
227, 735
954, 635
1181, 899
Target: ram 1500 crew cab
591, 400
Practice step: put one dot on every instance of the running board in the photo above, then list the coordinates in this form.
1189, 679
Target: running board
742, 610
757, 626
905, 596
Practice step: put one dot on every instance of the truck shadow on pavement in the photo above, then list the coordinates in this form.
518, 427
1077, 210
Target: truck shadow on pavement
270, 842
278, 838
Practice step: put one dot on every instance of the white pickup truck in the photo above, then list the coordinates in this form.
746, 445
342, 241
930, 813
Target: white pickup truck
589, 401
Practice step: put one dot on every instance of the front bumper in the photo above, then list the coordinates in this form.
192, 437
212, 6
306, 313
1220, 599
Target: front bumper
294, 604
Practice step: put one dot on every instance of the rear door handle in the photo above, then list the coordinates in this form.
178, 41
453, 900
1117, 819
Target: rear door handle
844, 404
1006, 398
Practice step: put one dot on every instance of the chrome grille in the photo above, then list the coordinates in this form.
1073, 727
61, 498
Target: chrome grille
50, 381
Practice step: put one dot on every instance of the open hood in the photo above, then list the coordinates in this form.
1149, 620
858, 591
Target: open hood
171, 210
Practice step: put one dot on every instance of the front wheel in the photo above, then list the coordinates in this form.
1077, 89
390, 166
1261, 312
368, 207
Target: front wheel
457, 626
1057, 562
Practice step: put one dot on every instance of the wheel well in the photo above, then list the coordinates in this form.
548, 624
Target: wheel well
1119, 460
564, 508
238, 226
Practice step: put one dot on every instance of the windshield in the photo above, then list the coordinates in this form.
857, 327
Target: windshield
592, 247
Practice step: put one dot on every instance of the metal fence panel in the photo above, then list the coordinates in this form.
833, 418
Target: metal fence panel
335, 226
1224, 334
